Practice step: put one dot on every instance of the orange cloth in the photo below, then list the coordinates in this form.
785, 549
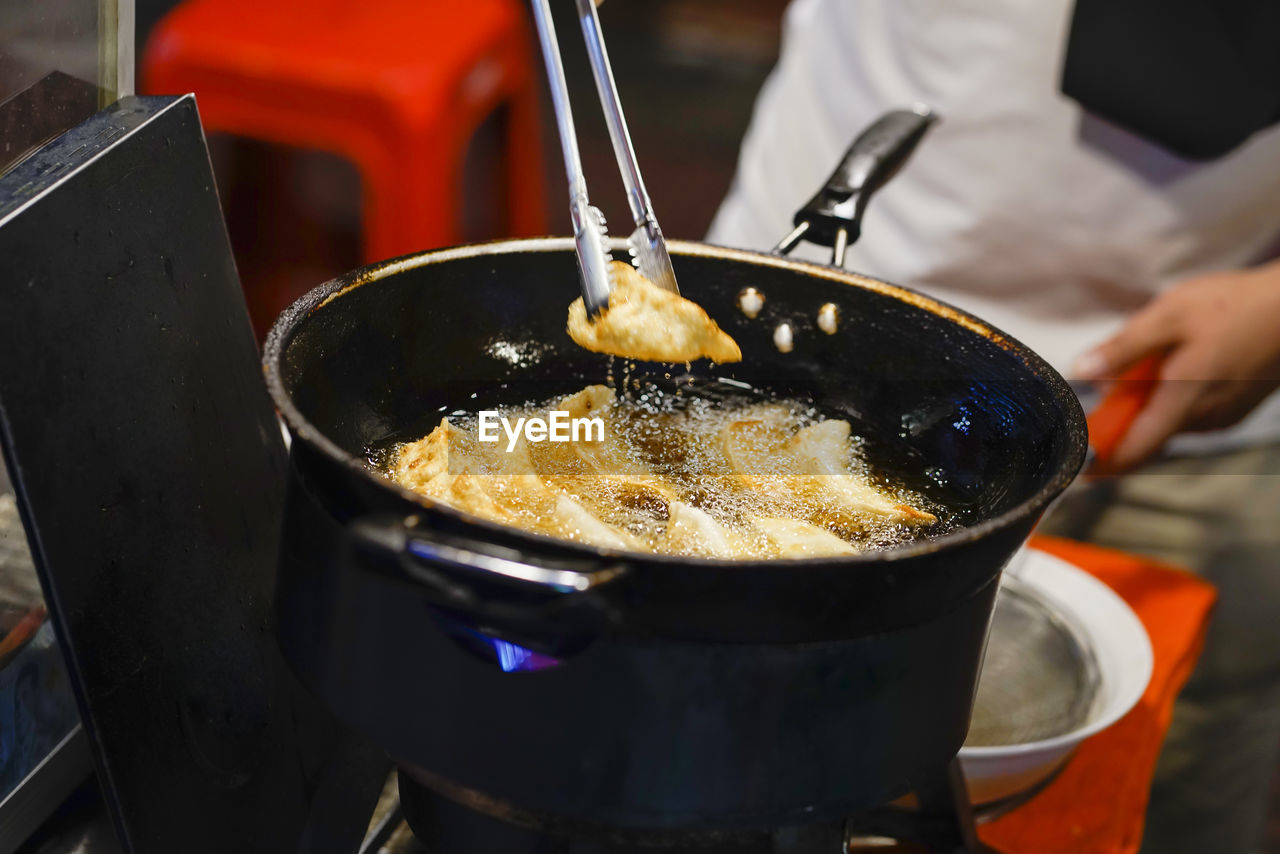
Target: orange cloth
1098, 803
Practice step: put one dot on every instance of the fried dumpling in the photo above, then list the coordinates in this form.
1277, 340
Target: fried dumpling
747, 483
575, 522
795, 538
812, 467
694, 532
645, 322
451, 465
822, 451
618, 472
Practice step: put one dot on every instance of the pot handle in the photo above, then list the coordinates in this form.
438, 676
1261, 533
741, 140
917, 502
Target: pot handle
833, 217
551, 607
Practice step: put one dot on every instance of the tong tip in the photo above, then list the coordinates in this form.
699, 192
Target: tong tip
593, 260
649, 255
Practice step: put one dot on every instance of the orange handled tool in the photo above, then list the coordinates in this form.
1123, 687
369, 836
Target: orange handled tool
1111, 419
22, 632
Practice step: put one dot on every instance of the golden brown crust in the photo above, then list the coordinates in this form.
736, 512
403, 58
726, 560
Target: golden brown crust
796, 538
648, 323
765, 485
813, 464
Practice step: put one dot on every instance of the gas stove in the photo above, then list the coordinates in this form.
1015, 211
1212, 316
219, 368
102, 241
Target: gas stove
942, 823
410, 819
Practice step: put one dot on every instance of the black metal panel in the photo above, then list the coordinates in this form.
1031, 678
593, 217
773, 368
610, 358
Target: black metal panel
150, 470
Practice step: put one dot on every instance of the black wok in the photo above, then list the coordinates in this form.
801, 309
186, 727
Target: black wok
687, 693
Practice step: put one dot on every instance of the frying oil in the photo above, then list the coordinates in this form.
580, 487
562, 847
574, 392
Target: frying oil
664, 442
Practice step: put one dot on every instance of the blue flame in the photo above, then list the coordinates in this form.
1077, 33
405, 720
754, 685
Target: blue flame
515, 659
510, 657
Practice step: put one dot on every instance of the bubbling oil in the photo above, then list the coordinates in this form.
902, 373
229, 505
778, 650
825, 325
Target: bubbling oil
720, 458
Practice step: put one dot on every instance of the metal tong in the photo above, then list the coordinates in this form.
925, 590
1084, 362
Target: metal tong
833, 217
648, 248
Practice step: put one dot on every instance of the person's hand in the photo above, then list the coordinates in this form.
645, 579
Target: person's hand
1219, 336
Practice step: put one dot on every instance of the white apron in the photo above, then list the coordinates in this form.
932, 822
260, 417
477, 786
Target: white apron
1047, 222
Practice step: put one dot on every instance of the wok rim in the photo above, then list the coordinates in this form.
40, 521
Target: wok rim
291, 319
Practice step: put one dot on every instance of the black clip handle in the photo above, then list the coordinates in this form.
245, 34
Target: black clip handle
549, 606
833, 217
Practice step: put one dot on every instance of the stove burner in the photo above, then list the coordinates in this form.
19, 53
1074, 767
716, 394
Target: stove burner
462, 822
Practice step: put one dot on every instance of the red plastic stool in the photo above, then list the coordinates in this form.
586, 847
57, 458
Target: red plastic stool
397, 86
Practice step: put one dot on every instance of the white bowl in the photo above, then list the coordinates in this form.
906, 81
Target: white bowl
1123, 653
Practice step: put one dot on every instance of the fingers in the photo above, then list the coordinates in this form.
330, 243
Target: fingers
1148, 332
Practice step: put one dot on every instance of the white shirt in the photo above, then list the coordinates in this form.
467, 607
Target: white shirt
1020, 207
